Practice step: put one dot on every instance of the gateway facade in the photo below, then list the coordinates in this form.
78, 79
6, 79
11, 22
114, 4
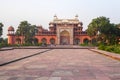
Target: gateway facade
61, 32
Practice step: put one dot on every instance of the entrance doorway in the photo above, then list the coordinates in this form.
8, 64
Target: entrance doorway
52, 41
77, 41
64, 38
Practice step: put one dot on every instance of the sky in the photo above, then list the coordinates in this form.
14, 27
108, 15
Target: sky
41, 12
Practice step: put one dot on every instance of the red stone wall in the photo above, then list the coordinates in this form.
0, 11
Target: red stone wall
11, 39
47, 38
82, 37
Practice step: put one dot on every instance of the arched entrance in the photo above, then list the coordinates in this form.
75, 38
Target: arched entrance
86, 41
18, 40
77, 41
52, 41
35, 41
64, 38
44, 42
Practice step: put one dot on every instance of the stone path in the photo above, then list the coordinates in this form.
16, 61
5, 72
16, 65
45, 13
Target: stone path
106, 53
10, 55
62, 64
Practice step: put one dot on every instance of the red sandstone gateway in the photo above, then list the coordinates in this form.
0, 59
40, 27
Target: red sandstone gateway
61, 32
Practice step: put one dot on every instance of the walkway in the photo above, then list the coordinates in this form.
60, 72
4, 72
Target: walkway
61, 64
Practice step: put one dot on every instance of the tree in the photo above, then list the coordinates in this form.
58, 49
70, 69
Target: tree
108, 32
26, 30
111, 33
118, 32
96, 25
1, 30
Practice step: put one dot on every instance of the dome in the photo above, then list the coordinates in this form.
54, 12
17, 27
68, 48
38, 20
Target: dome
55, 17
76, 17
39, 26
10, 28
51, 25
81, 23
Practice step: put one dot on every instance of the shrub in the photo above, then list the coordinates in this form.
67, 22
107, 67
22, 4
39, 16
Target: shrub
39, 44
109, 48
102, 47
0, 45
4, 45
84, 44
117, 49
27, 44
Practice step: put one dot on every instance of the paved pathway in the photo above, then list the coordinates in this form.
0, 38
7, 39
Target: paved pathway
66, 64
10, 55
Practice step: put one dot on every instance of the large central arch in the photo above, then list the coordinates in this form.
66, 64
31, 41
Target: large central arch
65, 38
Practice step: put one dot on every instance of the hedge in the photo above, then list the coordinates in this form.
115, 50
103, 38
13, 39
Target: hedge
111, 48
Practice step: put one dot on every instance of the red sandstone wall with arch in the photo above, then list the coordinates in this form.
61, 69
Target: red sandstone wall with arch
21, 38
82, 37
47, 38
12, 39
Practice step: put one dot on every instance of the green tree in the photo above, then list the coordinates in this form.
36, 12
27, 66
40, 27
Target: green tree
111, 33
1, 30
117, 32
27, 30
96, 25
108, 32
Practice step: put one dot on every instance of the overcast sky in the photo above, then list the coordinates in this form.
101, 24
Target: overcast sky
41, 12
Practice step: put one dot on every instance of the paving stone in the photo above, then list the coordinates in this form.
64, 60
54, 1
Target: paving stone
22, 78
36, 66
16, 54
2, 72
55, 78
62, 73
13, 78
59, 64
67, 78
42, 78
4, 77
